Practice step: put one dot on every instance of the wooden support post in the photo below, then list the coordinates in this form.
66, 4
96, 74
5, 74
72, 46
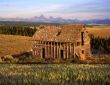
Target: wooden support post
48, 49
67, 50
64, 50
40, 50
54, 49
41, 53
51, 50
70, 50
57, 50
45, 49
74, 49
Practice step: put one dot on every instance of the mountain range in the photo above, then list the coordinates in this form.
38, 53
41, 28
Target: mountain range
51, 19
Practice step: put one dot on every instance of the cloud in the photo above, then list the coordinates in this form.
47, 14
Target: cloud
80, 9
48, 8
86, 7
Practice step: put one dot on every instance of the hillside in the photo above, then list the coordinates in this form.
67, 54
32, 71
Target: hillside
10, 44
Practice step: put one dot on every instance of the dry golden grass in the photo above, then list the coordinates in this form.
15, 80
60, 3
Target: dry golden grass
11, 44
96, 59
101, 31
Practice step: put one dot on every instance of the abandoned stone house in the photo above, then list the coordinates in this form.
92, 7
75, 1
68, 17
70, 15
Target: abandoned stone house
64, 41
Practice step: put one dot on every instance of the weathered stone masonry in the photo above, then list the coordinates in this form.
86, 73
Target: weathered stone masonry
61, 42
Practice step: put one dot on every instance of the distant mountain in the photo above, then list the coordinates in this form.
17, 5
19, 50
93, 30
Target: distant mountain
51, 19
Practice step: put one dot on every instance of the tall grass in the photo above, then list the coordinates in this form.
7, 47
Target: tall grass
53, 74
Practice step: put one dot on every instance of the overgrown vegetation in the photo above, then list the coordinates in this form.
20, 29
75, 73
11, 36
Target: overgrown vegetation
58, 74
8, 59
100, 45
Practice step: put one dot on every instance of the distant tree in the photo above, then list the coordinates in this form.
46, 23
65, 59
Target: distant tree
17, 30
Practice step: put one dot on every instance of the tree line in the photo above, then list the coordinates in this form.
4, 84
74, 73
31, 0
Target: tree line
17, 30
100, 45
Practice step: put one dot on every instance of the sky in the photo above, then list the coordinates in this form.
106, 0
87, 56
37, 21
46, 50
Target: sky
67, 9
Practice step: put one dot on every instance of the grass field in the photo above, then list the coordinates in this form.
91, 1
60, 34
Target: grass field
100, 31
77, 74
11, 44
51, 74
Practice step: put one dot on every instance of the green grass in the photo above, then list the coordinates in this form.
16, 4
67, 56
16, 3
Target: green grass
53, 74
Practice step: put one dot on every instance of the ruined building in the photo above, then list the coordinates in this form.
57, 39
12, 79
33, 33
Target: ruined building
64, 42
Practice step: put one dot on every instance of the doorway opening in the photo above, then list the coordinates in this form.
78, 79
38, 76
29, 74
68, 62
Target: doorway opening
82, 38
43, 52
62, 54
